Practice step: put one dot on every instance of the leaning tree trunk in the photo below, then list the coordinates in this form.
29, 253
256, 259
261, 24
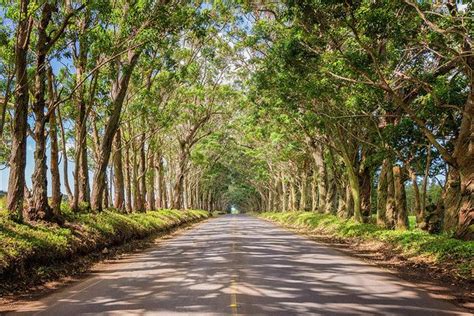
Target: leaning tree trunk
17, 163
119, 91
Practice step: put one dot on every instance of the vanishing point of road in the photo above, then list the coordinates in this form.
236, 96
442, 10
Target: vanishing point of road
240, 265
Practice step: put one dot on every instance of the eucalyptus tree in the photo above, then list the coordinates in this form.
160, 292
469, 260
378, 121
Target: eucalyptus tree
17, 161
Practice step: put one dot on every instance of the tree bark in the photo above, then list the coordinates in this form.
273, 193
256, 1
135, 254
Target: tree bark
464, 155
40, 209
17, 163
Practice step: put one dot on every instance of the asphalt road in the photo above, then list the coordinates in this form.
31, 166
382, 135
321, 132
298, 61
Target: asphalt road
240, 265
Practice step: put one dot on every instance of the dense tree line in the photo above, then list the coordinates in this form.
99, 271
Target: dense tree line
358, 101
330, 106
118, 91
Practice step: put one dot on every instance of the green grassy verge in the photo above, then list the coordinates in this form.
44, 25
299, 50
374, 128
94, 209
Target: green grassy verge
410, 243
23, 244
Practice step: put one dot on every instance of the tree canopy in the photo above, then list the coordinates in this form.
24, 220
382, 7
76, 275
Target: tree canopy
362, 109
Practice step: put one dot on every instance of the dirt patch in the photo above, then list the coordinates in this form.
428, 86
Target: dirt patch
432, 277
43, 280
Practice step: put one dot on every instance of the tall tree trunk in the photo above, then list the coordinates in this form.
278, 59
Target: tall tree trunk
314, 192
349, 202
400, 199
151, 180
129, 179
365, 185
424, 183
317, 154
303, 189
137, 197
390, 212
119, 186
119, 90
452, 200
382, 195
40, 208
64, 158
355, 191
17, 163
142, 176
53, 132
81, 169
178, 186
284, 194
330, 194
161, 184
341, 202
419, 212
106, 192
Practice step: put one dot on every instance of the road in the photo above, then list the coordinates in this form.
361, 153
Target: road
240, 265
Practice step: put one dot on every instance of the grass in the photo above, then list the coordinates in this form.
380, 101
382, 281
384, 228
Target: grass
83, 233
409, 243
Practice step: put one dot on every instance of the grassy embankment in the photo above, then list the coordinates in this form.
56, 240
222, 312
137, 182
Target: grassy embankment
413, 244
23, 245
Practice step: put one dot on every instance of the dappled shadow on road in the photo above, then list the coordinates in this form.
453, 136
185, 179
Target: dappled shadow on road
241, 265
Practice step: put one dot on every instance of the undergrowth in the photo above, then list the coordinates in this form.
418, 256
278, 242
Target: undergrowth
410, 243
82, 233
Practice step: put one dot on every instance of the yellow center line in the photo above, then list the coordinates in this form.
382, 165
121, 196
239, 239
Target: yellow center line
233, 281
